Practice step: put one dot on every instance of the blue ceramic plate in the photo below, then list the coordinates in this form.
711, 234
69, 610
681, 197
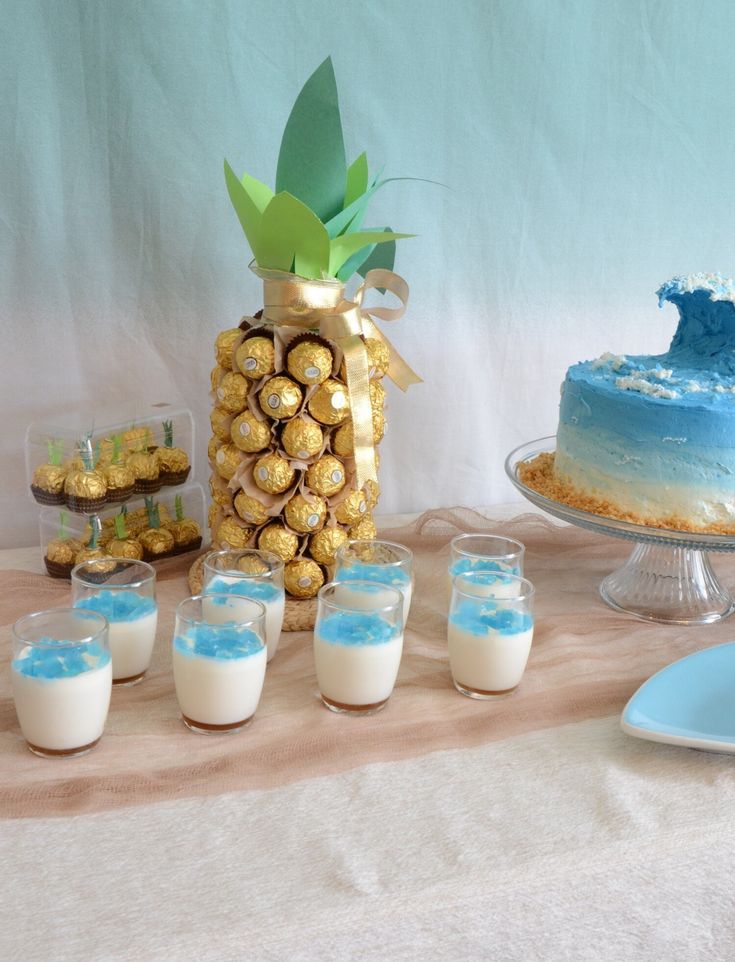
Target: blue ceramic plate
691, 702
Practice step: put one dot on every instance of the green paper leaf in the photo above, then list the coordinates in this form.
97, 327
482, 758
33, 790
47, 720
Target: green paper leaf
246, 208
260, 194
292, 234
382, 257
357, 179
342, 248
311, 162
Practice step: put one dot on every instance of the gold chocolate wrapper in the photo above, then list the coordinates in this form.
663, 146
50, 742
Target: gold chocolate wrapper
220, 421
172, 460
273, 474
256, 357
249, 434
224, 346
215, 376
213, 447
136, 439
50, 477
280, 397
250, 509
126, 548
63, 551
233, 533
310, 360
214, 513
143, 466
220, 495
305, 516
329, 404
302, 439
156, 541
326, 476
227, 461
378, 358
351, 510
377, 395
119, 478
232, 393
378, 428
184, 531
372, 492
274, 537
363, 530
85, 484
324, 544
303, 578
91, 554
343, 442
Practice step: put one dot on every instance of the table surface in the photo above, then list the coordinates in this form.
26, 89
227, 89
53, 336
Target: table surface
528, 829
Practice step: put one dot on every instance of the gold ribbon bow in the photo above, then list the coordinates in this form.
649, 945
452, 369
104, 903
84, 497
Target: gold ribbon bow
292, 301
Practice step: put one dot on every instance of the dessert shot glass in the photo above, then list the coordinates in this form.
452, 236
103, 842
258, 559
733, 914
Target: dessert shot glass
124, 591
61, 674
382, 562
247, 573
219, 666
489, 636
358, 642
484, 552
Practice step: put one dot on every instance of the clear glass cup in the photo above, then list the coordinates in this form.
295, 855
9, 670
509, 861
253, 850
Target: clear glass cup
61, 673
358, 642
124, 591
219, 666
383, 562
248, 573
489, 632
485, 552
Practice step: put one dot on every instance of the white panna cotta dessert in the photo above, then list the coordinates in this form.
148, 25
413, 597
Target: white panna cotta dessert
133, 619
271, 596
380, 576
490, 579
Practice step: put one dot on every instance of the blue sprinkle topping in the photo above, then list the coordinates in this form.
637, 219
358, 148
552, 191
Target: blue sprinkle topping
218, 641
245, 588
356, 628
61, 662
119, 605
383, 574
464, 565
481, 619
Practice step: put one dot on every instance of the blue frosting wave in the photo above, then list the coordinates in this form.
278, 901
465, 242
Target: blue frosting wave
384, 574
483, 618
245, 588
225, 642
119, 605
356, 628
62, 662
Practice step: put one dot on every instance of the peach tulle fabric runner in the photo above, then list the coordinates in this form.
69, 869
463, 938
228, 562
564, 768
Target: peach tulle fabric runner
585, 662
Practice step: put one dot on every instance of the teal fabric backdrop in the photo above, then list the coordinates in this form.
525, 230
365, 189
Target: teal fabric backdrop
587, 148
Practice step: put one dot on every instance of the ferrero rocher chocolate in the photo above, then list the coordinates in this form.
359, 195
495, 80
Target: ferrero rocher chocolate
156, 542
48, 483
305, 516
378, 357
324, 544
221, 421
352, 508
249, 434
215, 376
377, 395
120, 481
256, 356
329, 404
227, 461
302, 439
220, 495
214, 513
233, 533
326, 476
378, 427
372, 492
280, 397
274, 537
85, 490
90, 554
303, 578
145, 468
126, 548
343, 443
273, 474
309, 360
185, 532
224, 346
363, 530
232, 393
213, 447
63, 551
250, 509
173, 464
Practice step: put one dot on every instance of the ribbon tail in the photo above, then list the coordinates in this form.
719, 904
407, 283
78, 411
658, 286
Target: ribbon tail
399, 371
358, 388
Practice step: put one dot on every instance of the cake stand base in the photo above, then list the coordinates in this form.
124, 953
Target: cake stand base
668, 584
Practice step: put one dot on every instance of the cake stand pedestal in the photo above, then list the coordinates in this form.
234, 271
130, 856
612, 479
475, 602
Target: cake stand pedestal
668, 577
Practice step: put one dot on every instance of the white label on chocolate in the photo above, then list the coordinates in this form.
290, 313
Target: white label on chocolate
312, 372
273, 401
362, 508
250, 363
220, 456
247, 516
338, 400
262, 473
303, 455
313, 520
304, 582
221, 393
245, 429
336, 476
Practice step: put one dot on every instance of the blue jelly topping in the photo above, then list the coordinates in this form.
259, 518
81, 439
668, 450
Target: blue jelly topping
356, 628
383, 574
59, 660
464, 565
119, 605
218, 641
481, 619
245, 588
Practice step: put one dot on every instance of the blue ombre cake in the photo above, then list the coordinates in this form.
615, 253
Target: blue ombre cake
651, 438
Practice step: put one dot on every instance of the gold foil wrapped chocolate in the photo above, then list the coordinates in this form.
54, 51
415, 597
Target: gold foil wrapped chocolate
185, 532
256, 356
126, 548
363, 530
173, 464
273, 474
144, 466
249, 434
305, 516
232, 393
278, 539
352, 508
63, 551
343, 442
137, 439
221, 421
85, 490
220, 494
91, 554
378, 357
214, 514
303, 578
377, 395
224, 346
329, 404
156, 542
378, 427
213, 447
120, 481
49, 478
302, 439
324, 544
372, 493
227, 461
280, 397
326, 476
232, 533
309, 359
215, 376
250, 509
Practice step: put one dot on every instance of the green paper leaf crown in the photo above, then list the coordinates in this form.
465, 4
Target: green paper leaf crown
311, 225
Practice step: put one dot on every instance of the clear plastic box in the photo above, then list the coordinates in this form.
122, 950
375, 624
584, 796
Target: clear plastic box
181, 527
88, 459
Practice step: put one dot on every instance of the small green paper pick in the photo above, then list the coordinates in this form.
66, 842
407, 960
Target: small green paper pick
96, 525
154, 517
117, 443
121, 531
55, 450
63, 522
168, 434
179, 508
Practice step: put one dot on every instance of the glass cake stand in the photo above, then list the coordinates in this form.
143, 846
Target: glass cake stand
668, 576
